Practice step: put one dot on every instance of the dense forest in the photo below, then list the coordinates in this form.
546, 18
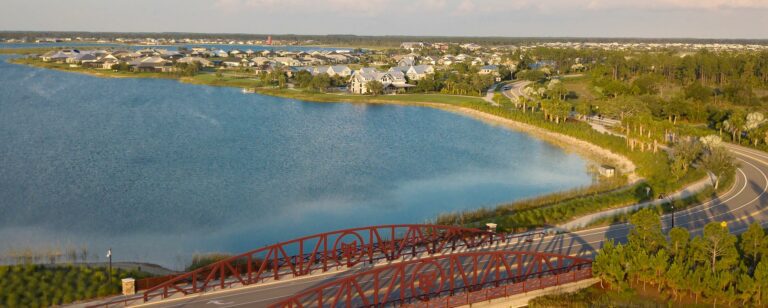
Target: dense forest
659, 95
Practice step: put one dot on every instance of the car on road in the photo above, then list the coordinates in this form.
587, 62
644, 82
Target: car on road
506, 88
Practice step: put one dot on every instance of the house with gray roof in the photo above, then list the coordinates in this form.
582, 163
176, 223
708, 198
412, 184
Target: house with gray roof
393, 82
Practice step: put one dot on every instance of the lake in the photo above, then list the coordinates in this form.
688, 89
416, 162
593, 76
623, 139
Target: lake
158, 170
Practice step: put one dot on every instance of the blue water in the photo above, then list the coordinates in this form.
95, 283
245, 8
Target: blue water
157, 169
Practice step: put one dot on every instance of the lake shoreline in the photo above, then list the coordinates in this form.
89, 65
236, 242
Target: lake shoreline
589, 151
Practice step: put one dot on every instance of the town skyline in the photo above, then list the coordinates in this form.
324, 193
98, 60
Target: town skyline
491, 18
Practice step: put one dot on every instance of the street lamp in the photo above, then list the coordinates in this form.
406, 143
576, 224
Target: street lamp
109, 269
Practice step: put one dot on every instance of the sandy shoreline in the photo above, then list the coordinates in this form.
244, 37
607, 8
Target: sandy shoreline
583, 148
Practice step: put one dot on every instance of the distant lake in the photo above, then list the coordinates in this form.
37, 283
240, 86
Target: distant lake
158, 170
169, 47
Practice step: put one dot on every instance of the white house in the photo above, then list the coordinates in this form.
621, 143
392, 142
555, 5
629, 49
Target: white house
392, 82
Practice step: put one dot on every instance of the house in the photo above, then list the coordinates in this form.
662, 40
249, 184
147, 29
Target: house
152, 64
339, 70
412, 45
231, 63
287, 61
147, 52
406, 62
337, 58
259, 61
84, 58
471, 46
489, 69
446, 60
478, 61
169, 54
419, 72
61, 56
335, 70
220, 53
189, 60
428, 60
392, 82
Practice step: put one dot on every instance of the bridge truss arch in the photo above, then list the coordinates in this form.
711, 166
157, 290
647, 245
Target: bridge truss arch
323, 252
446, 281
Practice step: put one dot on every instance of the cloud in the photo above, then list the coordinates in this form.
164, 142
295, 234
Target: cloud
370, 7
472, 7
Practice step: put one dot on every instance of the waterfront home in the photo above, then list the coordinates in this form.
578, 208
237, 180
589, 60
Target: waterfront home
105, 63
84, 58
152, 64
60, 56
393, 82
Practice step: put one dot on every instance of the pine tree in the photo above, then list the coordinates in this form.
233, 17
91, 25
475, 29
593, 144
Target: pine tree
761, 279
717, 247
678, 243
646, 231
753, 244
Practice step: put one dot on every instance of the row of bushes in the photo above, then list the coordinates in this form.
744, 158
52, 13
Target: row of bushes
45, 286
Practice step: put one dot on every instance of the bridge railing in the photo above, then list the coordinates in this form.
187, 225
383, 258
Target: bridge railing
446, 281
320, 253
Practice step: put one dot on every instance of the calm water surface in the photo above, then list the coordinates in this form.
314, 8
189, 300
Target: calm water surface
158, 170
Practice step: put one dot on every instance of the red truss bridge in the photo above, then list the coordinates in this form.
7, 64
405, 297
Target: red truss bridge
323, 252
446, 281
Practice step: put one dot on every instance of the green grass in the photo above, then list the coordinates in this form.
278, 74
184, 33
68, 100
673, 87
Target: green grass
595, 296
581, 86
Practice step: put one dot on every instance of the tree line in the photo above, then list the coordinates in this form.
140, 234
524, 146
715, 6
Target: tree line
715, 266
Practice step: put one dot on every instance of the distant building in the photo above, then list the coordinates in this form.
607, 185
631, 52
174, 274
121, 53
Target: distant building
489, 69
412, 45
607, 171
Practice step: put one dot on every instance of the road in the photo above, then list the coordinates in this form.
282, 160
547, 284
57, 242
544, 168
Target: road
741, 205
516, 90
489, 95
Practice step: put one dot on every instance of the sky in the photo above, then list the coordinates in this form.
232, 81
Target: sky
510, 18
